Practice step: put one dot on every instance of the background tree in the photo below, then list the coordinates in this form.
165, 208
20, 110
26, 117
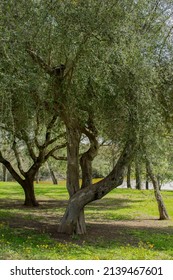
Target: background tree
38, 149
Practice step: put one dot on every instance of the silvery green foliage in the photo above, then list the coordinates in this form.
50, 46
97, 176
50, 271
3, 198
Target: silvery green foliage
113, 49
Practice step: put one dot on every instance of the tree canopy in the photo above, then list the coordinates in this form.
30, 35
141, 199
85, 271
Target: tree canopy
92, 68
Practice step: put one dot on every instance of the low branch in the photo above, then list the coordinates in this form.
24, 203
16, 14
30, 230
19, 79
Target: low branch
29, 146
51, 141
50, 126
59, 157
8, 165
37, 133
19, 163
58, 147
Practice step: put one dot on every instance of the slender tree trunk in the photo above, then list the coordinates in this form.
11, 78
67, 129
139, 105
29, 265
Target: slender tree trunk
147, 178
87, 158
37, 178
28, 187
96, 191
138, 176
128, 177
147, 183
4, 173
161, 207
86, 167
52, 174
159, 181
73, 139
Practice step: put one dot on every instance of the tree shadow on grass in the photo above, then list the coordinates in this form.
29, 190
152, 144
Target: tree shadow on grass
106, 204
113, 203
43, 204
45, 220
121, 232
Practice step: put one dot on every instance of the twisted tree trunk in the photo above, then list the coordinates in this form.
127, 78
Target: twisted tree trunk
96, 191
87, 157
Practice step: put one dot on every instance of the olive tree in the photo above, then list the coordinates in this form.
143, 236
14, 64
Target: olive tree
99, 63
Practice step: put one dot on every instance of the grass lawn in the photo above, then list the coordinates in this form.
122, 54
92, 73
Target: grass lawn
123, 225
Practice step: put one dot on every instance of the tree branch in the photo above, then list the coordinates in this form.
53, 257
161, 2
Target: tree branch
50, 153
51, 141
8, 165
59, 157
19, 164
36, 58
49, 128
29, 146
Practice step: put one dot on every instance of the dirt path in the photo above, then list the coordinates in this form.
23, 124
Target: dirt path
114, 230
43, 221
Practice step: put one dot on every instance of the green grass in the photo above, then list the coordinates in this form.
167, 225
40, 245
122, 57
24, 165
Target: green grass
23, 236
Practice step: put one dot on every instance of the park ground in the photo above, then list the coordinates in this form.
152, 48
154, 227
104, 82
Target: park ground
123, 225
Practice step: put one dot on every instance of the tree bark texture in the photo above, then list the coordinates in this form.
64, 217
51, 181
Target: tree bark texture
28, 187
73, 140
161, 206
86, 160
96, 191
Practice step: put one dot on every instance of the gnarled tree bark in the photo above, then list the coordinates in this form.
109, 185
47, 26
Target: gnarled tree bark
87, 157
86, 167
73, 140
95, 191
